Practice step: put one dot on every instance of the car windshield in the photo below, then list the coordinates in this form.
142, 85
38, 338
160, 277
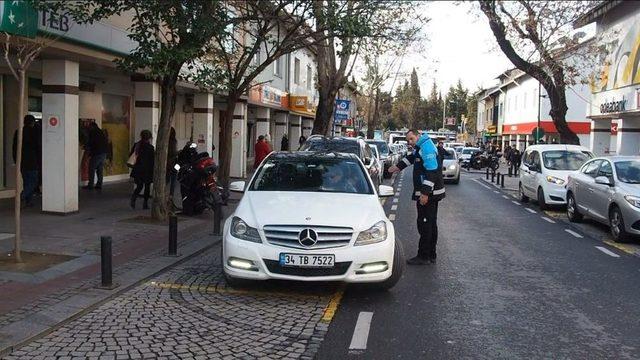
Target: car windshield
449, 155
312, 174
469, 151
383, 149
564, 160
341, 146
628, 171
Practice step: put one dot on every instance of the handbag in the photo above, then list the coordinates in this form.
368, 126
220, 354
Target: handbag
133, 158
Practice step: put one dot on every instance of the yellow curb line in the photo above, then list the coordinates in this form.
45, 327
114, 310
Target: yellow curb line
620, 247
332, 307
230, 291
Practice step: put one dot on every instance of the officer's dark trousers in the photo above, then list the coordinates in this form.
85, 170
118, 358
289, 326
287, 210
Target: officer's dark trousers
428, 229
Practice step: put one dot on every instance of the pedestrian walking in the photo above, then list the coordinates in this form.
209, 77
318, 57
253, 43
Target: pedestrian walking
29, 163
262, 149
98, 147
515, 161
302, 140
284, 143
142, 172
428, 190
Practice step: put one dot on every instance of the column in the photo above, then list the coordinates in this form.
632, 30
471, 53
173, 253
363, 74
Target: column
307, 126
628, 139
239, 141
60, 168
263, 116
504, 142
526, 141
295, 122
281, 129
600, 137
147, 108
518, 142
203, 121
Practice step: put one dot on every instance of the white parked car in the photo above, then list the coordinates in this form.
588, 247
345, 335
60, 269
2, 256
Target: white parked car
544, 171
465, 154
451, 166
311, 216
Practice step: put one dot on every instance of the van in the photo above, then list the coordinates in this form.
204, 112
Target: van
544, 171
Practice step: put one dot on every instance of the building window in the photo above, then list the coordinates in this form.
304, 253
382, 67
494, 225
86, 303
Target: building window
296, 71
309, 77
277, 67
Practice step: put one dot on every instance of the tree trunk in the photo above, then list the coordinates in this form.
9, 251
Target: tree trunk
17, 242
375, 119
558, 113
168, 98
226, 141
326, 104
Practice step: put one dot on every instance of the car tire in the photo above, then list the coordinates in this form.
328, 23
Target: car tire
572, 209
616, 224
523, 198
396, 270
541, 202
456, 181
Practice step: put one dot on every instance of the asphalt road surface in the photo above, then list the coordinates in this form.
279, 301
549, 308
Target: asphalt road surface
510, 282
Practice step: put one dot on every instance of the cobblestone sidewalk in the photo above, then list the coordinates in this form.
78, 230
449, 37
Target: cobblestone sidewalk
188, 312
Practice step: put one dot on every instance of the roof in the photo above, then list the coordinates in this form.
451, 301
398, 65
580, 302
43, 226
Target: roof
596, 13
280, 155
616, 158
557, 147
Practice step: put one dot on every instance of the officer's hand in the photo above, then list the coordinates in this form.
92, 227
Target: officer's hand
424, 199
393, 169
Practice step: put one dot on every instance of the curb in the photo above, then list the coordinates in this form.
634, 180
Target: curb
81, 304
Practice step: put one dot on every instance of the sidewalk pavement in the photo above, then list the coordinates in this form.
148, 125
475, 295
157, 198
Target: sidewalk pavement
33, 298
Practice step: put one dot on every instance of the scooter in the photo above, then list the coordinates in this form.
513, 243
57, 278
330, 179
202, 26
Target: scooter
479, 161
198, 185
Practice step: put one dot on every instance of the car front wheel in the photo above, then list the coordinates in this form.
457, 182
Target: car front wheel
541, 202
572, 209
523, 198
616, 222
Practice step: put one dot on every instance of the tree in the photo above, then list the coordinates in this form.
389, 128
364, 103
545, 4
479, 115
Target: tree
433, 108
536, 37
472, 113
345, 28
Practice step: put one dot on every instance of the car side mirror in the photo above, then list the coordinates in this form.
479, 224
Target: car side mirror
385, 191
237, 186
603, 180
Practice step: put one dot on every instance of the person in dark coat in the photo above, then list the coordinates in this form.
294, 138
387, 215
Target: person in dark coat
302, 140
515, 159
284, 144
29, 162
142, 172
98, 146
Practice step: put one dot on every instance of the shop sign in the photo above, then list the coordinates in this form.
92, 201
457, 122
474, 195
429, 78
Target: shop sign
18, 18
491, 129
272, 96
613, 106
342, 110
299, 103
451, 121
614, 127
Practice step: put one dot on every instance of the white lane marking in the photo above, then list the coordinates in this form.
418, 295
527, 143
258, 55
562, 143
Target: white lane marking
481, 184
361, 332
505, 196
392, 217
550, 221
574, 233
394, 207
398, 193
496, 191
530, 210
395, 200
515, 202
607, 251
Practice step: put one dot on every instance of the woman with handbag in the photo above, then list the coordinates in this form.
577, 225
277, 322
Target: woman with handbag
141, 159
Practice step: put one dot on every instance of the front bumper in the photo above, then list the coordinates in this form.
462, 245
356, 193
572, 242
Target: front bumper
348, 260
451, 174
631, 216
555, 194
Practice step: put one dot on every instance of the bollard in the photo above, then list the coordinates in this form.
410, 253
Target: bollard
106, 263
493, 176
487, 173
498, 178
510, 172
173, 236
217, 219
502, 183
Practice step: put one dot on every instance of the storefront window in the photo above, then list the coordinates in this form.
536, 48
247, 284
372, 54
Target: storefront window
116, 117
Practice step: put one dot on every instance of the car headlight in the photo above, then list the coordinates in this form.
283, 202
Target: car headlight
241, 230
633, 200
374, 234
555, 180
452, 167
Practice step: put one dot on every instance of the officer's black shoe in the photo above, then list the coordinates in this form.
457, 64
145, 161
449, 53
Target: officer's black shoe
418, 261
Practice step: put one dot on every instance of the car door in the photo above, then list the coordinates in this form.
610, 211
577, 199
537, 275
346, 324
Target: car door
537, 177
583, 180
600, 194
526, 174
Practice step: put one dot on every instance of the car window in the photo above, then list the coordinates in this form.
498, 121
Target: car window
535, 158
449, 154
605, 169
526, 159
564, 160
312, 175
382, 147
367, 152
628, 171
374, 150
591, 169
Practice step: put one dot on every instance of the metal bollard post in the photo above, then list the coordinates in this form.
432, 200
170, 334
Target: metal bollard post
510, 172
493, 176
173, 236
502, 183
106, 268
217, 220
487, 173
498, 178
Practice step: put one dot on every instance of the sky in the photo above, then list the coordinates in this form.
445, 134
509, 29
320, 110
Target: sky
460, 45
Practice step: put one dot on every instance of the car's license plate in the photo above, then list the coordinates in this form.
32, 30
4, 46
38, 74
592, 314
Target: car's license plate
299, 260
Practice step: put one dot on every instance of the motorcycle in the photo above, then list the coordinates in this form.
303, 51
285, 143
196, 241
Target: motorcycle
198, 185
479, 161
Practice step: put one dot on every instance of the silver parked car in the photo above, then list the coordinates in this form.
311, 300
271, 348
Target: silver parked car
607, 189
451, 166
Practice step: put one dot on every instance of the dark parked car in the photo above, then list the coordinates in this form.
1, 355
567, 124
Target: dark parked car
345, 145
389, 159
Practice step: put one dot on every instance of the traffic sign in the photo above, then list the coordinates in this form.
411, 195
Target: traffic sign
537, 133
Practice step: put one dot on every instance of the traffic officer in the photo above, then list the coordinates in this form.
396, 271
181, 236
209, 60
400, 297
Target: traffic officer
428, 190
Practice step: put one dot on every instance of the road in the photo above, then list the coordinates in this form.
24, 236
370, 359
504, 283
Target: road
510, 282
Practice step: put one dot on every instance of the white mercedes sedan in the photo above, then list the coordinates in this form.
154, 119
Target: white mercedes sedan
309, 216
